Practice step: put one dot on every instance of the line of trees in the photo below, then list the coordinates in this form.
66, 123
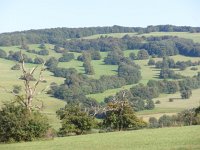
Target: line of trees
187, 117
59, 35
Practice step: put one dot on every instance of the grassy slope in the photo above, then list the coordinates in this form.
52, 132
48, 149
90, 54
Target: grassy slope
117, 35
194, 36
177, 138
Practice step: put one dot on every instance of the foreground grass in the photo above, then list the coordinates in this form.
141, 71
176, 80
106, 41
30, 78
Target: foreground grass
177, 138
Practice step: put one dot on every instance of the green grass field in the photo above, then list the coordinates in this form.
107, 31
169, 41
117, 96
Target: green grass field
174, 138
194, 36
116, 35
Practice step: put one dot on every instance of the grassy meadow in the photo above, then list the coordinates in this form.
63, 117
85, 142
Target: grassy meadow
174, 138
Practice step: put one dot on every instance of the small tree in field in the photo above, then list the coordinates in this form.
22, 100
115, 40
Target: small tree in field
119, 115
186, 93
74, 120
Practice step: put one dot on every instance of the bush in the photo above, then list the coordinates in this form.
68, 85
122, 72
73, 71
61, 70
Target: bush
74, 121
153, 122
15, 67
66, 57
18, 124
149, 104
43, 52
157, 102
38, 61
194, 68
165, 121
2, 54
17, 89
171, 99
151, 62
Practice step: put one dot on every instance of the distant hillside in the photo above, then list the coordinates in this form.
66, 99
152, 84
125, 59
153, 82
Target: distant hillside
59, 35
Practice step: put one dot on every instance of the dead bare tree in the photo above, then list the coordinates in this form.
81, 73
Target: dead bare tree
29, 85
115, 104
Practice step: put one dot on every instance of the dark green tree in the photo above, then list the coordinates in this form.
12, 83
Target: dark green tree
132, 56
42, 46
74, 120
88, 68
18, 124
186, 93
120, 116
3, 54
142, 54
51, 63
149, 104
151, 62
38, 60
66, 57
153, 122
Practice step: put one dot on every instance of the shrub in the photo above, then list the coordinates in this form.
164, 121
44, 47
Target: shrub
165, 121
38, 61
151, 62
157, 102
15, 67
18, 124
2, 54
171, 99
74, 121
17, 89
43, 52
153, 122
149, 104
194, 68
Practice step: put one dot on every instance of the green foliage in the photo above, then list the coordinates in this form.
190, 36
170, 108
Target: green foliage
15, 67
151, 62
88, 68
51, 63
186, 93
57, 49
95, 55
74, 121
3, 54
42, 46
187, 117
130, 73
114, 57
18, 124
132, 56
166, 73
142, 54
38, 60
17, 89
149, 104
43, 52
153, 122
165, 121
120, 116
24, 44
66, 57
